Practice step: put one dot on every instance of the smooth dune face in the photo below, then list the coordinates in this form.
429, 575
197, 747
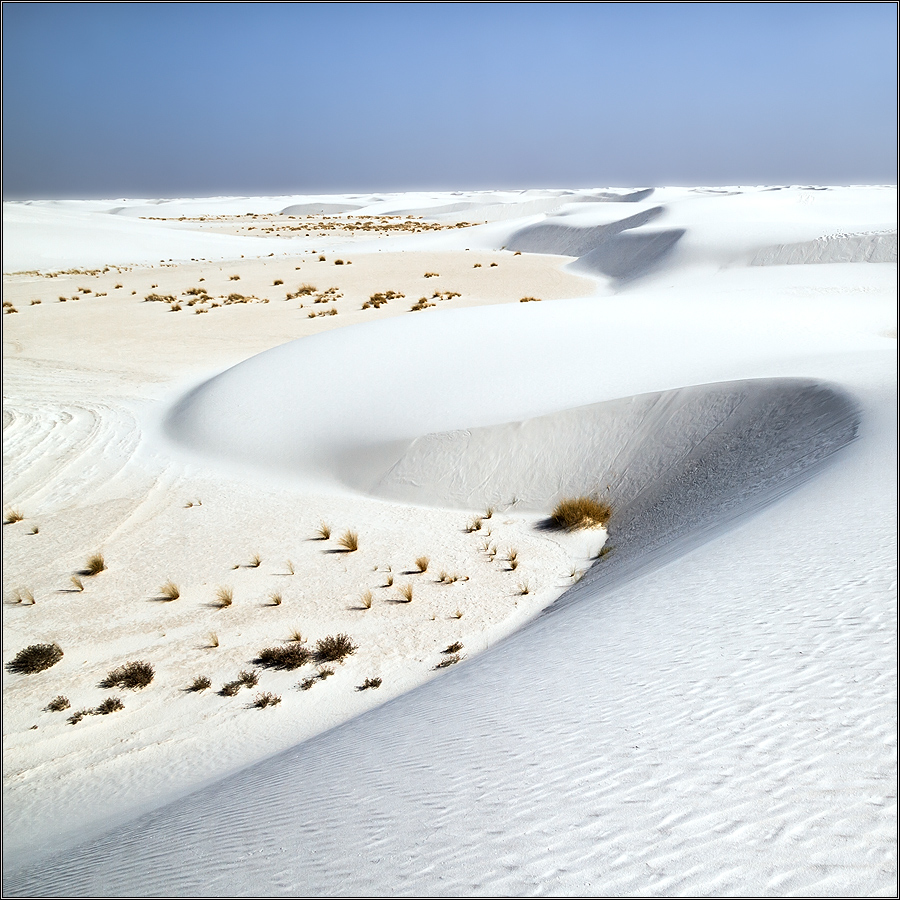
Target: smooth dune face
705, 706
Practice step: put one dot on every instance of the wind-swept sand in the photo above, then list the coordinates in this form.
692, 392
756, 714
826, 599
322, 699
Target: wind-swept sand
710, 709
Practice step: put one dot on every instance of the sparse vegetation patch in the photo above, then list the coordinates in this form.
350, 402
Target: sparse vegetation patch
133, 676
35, 658
575, 513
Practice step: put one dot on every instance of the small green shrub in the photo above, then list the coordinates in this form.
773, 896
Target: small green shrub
132, 676
35, 658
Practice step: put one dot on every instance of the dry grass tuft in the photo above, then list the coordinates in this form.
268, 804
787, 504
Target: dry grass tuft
109, 705
12, 516
94, 565
334, 648
58, 704
255, 561
224, 597
264, 699
277, 281
284, 658
432, 275
524, 588
234, 277
422, 563
290, 567
23, 596
389, 581
297, 636
448, 661
370, 683
276, 598
213, 640
34, 529
169, 591
200, 683
249, 678
133, 676
458, 614
407, 592
530, 300
323, 532
474, 525
349, 540
366, 599
35, 658
575, 513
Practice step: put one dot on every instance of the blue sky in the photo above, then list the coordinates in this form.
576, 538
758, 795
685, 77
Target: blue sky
161, 100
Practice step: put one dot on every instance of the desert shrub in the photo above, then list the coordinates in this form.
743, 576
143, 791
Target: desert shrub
324, 672
494, 265
169, 591
290, 657
157, 298
234, 277
366, 599
76, 717
455, 647
422, 563
277, 281
474, 525
58, 704
35, 658
349, 540
407, 592
477, 266
334, 648
224, 597
94, 565
230, 689
133, 676
200, 683
338, 262
249, 678
12, 516
264, 699
370, 683
448, 661
421, 303
575, 513
432, 275
530, 300
321, 258
109, 705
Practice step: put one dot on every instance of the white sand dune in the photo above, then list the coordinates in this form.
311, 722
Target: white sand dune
710, 709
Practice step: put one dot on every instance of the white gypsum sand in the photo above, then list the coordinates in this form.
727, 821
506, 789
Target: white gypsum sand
709, 710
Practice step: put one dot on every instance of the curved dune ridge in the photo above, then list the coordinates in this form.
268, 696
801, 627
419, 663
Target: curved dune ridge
683, 464
614, 250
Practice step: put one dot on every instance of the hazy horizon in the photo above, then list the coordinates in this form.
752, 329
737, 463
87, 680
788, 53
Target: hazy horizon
169, 100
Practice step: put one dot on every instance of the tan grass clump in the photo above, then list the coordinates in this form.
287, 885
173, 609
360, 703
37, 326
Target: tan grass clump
12, 516
169, 591
349, 540
224, 597
407, 593
422, 563
576, 513
94, 565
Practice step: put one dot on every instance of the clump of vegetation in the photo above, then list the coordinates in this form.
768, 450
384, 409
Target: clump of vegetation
224, 597
458, 614
455, 647
132, 676
323, 673
323, 532
432, 275
77, 583
34, 529
94, 565
366, 599
276, 598
379, 299
255, 561
286, 658
249, 678
277, 281
109, 705
370, 683
213, 640
35, 658
334, 648
23, 596
264, 699
200, 683
76, 717
169, 591
157, 298
422, 563
530, 300
524, 588
407, 593
575, 513
297, 636
349, 540
338, 262
230, 689
58, 704
448, 661
477, 266
421, 303
234, 277
12, 516
604, 551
